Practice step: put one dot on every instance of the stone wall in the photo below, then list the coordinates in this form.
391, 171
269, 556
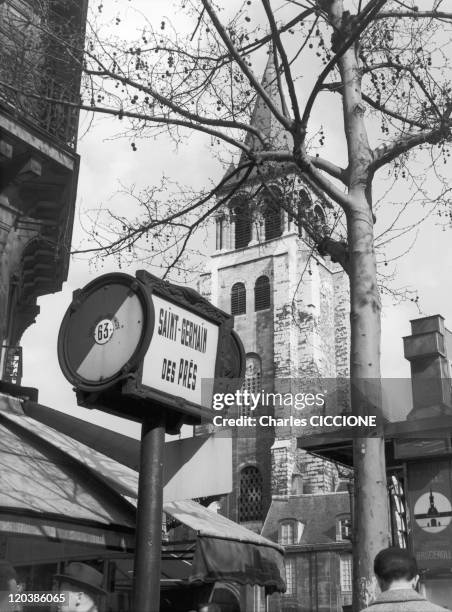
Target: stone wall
301, 340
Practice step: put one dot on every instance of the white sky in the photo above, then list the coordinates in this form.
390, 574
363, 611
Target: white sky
104, 162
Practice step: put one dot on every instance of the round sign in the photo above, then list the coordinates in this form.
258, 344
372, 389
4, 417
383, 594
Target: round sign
433, 512
105, 332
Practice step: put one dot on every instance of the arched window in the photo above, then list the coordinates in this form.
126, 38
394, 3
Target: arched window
272, 215
250, 499
219, 238
319, 215
242, 224
262, 293
238, 299
253, 373
303, 206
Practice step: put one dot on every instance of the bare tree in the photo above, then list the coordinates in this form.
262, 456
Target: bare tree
384, 61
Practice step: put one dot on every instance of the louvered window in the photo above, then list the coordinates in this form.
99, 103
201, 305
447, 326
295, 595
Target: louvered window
272, 220
250, 500
238, 299
242, 225
262, 293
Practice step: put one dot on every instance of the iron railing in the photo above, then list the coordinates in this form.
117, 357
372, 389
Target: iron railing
40, 65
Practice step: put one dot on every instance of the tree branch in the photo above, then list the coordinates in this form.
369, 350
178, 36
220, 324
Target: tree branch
365, 18
388, 152
243, 66
414, 15
332, 169
398, 67
141, 116
133, 234
285, 62
337, 250
164, 101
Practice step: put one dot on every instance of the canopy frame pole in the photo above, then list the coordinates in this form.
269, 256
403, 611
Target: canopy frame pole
148, 538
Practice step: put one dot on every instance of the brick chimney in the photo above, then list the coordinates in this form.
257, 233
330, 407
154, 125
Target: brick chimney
427, 351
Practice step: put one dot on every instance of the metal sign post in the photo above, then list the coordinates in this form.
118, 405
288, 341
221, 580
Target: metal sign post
148, 540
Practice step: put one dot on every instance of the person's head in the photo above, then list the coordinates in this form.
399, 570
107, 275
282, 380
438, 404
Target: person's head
395, 568
83, 585
8, 586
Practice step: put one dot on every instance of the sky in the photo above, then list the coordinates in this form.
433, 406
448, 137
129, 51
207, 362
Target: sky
107, 163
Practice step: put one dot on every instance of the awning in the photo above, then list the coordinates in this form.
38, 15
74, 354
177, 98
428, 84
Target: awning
94, 486
228, 552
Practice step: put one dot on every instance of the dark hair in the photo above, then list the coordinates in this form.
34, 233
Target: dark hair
7, 573
395, 564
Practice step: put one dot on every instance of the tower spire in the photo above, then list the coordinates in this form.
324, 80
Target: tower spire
262, 118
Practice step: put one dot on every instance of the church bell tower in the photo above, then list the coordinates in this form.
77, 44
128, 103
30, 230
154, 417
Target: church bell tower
291, 310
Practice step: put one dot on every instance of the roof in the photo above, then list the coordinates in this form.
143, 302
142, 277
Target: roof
318, 513
211, 524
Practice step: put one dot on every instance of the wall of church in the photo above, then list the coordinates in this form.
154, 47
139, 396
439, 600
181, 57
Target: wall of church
301, 338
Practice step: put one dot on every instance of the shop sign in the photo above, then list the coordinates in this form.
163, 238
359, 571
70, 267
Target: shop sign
430, 500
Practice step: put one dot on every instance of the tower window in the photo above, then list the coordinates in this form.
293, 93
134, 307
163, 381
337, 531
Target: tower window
238, 299
272, 221
250, 500
242, 225
219, 233
272, 214
262, 293
303, 205
319, 215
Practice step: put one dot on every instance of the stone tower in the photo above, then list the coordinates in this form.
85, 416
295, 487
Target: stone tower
291, 312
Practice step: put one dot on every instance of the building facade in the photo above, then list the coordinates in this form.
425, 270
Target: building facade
40, 71
291, 311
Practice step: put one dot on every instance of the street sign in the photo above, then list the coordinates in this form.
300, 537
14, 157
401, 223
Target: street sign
142, 348
183, 349
144, 339
188, 473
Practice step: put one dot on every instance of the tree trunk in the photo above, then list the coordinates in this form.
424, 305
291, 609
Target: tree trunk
371, 513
